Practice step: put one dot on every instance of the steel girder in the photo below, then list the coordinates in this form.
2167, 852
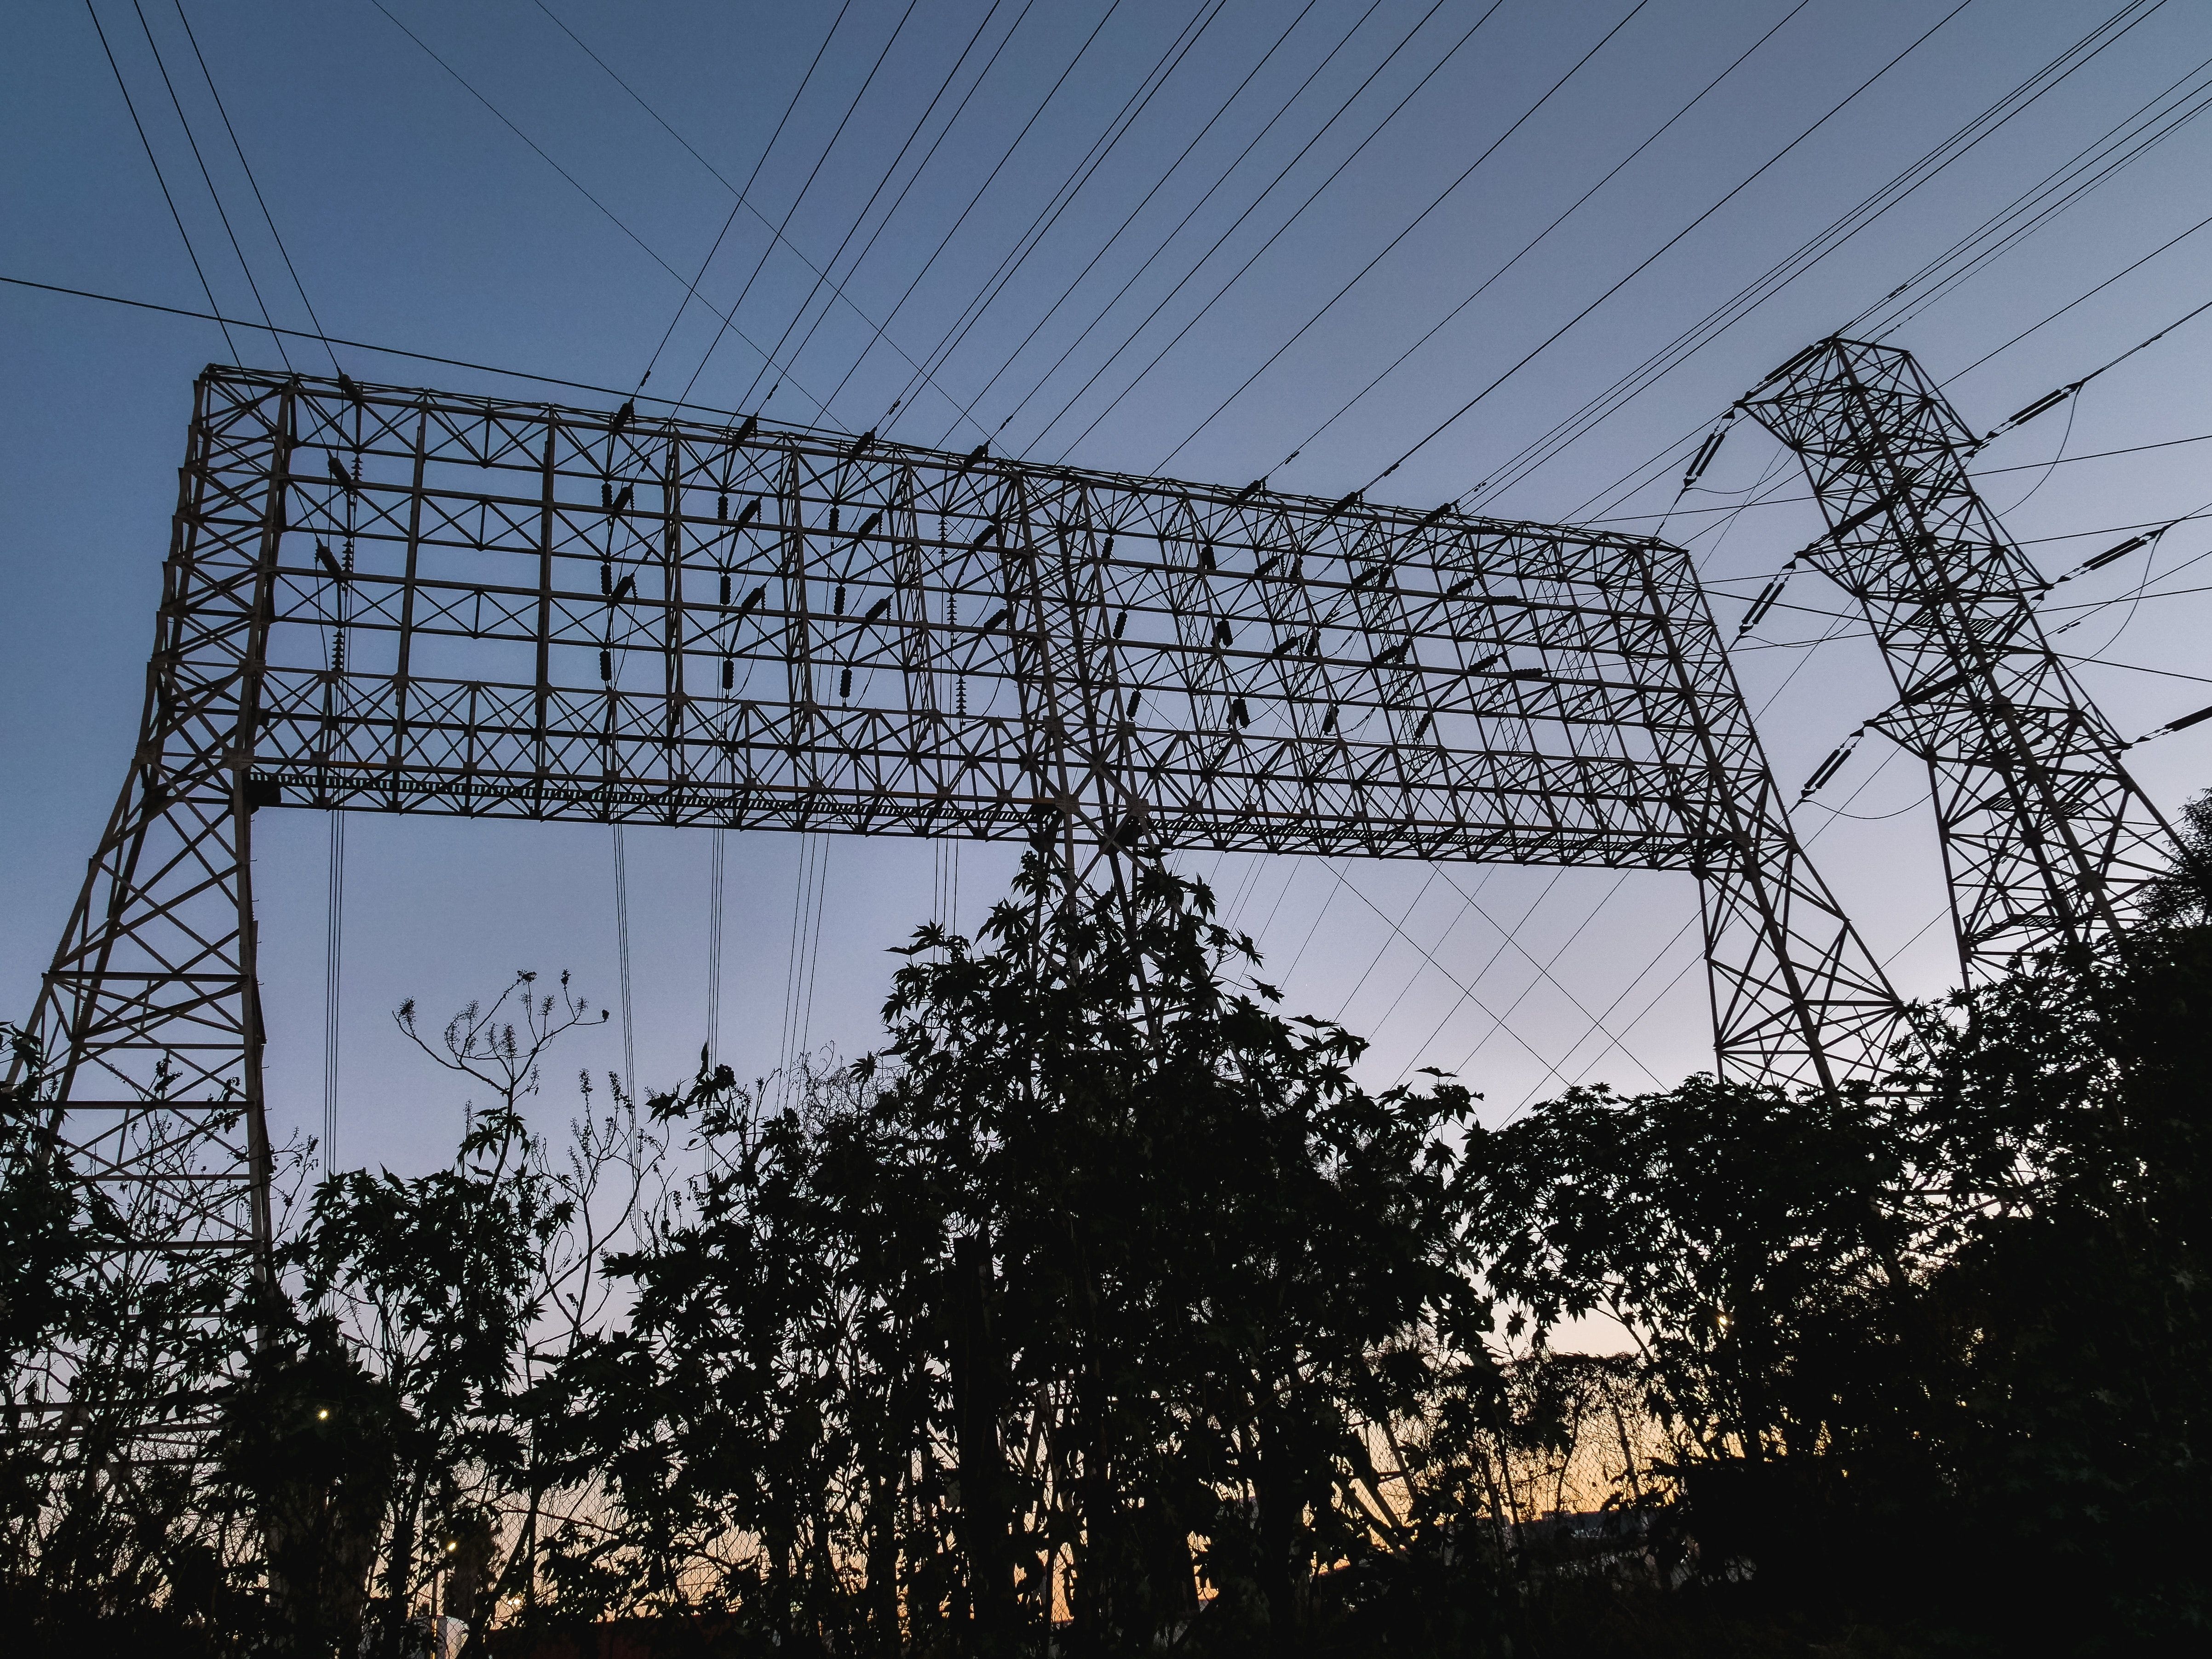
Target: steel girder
2047, 841
387, 599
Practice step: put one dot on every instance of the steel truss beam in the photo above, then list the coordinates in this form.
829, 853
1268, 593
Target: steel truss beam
397, 600
2047, 841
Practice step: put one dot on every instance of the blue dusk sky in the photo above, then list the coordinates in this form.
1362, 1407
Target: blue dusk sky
1196, 237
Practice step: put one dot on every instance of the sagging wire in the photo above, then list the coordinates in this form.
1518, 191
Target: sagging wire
1764, 288
715, 867
207, 178
340, 568
2049, 471
190, 253
621, 951
2051, 400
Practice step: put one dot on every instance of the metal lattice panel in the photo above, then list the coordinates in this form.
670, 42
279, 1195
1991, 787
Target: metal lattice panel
397, 601
2047, 841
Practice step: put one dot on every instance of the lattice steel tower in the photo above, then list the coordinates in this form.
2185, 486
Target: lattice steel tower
2047, 841
392, 600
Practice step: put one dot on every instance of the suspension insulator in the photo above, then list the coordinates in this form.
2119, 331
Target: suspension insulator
1704, 458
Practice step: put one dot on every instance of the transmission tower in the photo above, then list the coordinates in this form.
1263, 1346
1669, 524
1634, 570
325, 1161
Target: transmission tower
2047, 841
390, 600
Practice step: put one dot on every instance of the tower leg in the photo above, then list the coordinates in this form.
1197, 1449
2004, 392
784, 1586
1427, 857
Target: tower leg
150, 1018
1797, 996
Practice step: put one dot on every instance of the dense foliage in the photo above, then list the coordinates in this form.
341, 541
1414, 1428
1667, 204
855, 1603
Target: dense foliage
1102, 1311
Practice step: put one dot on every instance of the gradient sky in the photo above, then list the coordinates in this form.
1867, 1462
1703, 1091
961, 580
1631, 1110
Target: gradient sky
416, 217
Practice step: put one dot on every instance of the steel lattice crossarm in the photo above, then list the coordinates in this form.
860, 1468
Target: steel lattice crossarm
397, 601
2047, 841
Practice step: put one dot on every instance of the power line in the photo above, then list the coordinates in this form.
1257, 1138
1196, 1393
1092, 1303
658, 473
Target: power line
738, 191
622, 952
1977, 472
715, 894
333, 962
206, 178
1159, 183
1752, 295
907, 188
358, 345
1418, 220
743, 193
1531, 245
1467, 991
1534, 352
1397, 926
1222, 178
190, 253
843, 121
613, 218
1078, 177
2100, 287
2089, 166
1660, 956
1373, 133
254, 185
934, 355
2134, 667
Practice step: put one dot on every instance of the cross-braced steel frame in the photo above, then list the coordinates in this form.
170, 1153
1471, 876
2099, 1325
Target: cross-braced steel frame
2047, 841
395, 600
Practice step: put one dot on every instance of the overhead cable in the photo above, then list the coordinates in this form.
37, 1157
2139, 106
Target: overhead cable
1415, 224
1159, 183
192, 143
1221, 177
890, 171
190, 253
743, 193
729, 316
622, 953
844, 121
2071, 387
1809, 253
738, 191
1446, 424
254, 185
2146, 127
920, 167
1078, 177
1374, 132
1531, 245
